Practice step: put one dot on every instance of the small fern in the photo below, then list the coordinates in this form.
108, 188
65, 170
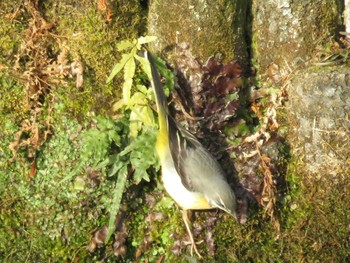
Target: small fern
126, 144
135, 96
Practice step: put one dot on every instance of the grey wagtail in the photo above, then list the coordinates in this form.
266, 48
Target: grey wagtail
191, 176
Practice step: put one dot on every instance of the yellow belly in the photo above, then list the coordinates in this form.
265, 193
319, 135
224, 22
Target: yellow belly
183, 197
172, 181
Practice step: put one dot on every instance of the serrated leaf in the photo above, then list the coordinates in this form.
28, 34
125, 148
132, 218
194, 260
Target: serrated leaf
104, 123
95, 146
127, 85
118, 105
119, 66
144, 115
114, 136
102, 164
144, 65
135, 125
129, 72
166, 73
117, 165
142, 89
140, 174
146, 39
142, 154
117, 197
124, 44
147, 116
137, 98
141, 114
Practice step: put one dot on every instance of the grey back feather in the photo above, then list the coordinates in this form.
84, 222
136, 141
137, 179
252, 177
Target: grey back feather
198, 169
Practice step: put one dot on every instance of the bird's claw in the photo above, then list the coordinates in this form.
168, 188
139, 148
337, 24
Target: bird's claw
194, 247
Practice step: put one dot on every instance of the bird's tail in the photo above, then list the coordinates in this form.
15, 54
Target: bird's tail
162, 104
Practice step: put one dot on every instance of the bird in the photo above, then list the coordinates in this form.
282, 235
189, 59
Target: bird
190, 174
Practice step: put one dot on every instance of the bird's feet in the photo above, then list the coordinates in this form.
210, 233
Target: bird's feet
194, 247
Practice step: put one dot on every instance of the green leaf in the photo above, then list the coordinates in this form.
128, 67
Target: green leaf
116, 166
147, 116
163, 70
119, 66
142, 89
232, 96
125, 44
96, 142
149, 94
137, 98
141, 114
73, 173
117, 197
118, 105
114, 136
136, 103
142, 154
145, 39
165, 203
140, 174
135, 125
95, 145
102, 164
166, 73
144, 65
79, 184
129, 72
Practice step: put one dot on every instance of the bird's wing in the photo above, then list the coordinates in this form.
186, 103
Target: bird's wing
192, 161
180, 143
198, 169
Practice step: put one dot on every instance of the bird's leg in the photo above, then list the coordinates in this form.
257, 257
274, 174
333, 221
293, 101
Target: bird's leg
187, 223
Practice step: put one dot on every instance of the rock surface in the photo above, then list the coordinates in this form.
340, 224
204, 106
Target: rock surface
319, 106
285, 32
206, 26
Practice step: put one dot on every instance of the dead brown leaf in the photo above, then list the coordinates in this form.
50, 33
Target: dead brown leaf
103, 6
32, 172
40, 73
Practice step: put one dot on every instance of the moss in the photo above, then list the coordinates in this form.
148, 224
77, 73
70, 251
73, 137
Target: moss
42, 220
151, 229
11, 28
13, 104
315, 217
39, 219
314, 226
79, 28
298, 26
207, 28
83, 30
